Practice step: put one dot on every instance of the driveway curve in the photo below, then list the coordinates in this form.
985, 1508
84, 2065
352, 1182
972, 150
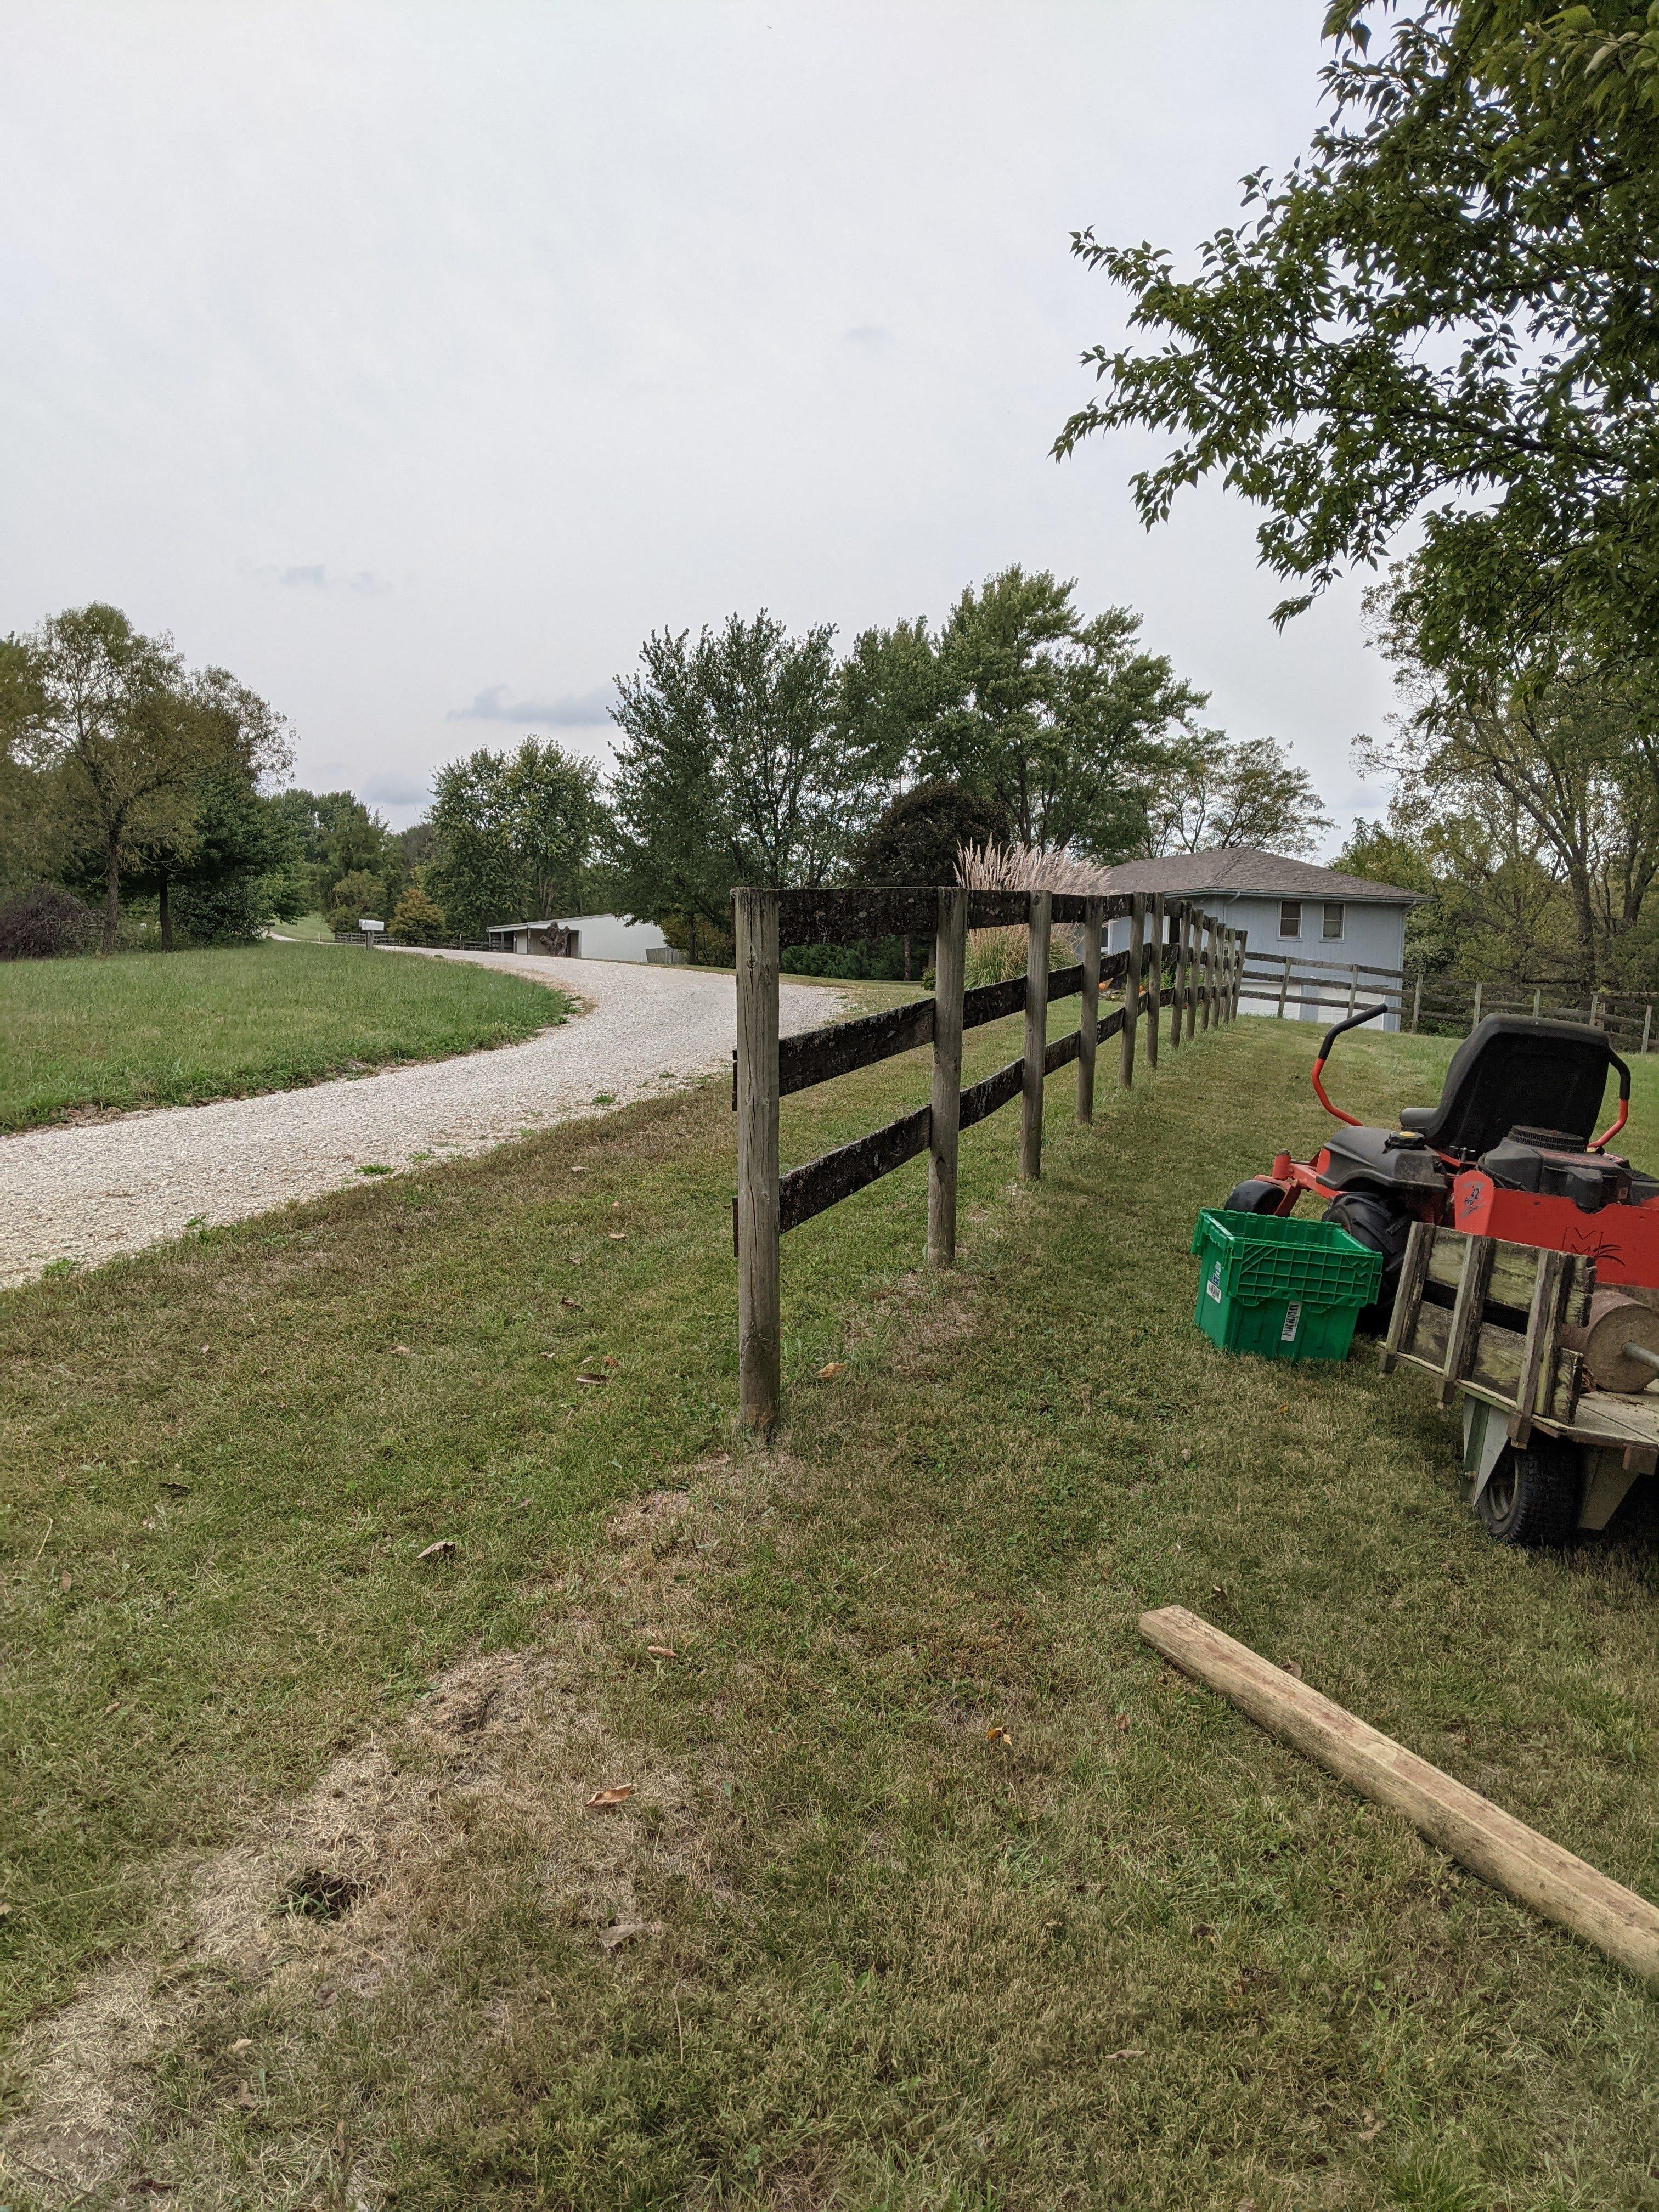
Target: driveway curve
87, 1192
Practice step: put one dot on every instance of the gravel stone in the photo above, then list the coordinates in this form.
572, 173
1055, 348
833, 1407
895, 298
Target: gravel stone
87, 1192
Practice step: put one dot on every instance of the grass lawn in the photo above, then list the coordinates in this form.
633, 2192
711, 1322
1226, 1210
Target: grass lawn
934, 1889
308, 929
174, 1029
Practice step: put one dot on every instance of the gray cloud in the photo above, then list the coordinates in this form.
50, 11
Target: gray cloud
867, 334
316, 576
394, 790
571, 710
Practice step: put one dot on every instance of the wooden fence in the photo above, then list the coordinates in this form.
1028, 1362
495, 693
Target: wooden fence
1181, 969
1289, 980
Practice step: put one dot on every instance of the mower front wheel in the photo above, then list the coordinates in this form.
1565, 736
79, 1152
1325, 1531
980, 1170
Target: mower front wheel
1381, 1226
1532, 1496
1258, 1195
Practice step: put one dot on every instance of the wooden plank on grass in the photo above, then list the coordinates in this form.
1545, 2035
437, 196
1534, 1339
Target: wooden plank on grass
1478, 1834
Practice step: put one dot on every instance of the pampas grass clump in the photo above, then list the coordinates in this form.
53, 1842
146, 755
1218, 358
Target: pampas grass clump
997, 956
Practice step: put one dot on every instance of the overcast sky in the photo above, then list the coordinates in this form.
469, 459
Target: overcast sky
415, 361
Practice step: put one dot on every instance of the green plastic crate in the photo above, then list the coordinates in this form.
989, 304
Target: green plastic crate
1281, 1288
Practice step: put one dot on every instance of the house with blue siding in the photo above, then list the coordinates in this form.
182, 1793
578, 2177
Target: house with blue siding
1314, 935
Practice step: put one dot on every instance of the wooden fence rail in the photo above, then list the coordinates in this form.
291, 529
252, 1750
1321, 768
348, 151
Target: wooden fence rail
1187, 970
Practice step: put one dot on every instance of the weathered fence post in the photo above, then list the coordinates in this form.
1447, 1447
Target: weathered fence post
1354, 989
1177, 939
1155, 982
1537, 1000
759, 1314
1193, 938
1284, 985
1088, 1017
1243, 938
1417, 1001
1647, 1025
1206, 929
1036, 1037
949, 956
1132, 982
1475, 1023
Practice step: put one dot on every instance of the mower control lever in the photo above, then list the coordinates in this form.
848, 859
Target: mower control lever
1600, 1144
1331, 1037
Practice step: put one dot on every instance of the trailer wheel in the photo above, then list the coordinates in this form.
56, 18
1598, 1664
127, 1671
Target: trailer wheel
1532, 1496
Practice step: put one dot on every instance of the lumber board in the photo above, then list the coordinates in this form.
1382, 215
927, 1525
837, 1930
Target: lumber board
1061, 1051
991, 1093
856, 911
1493, 1362
823, 1182
993, 1002
1466, 1310
1480, 1835
1541, 1342
1065, 982
1408, 1296
1514, 1272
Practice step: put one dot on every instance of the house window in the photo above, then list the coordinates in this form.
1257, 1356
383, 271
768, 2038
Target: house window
1334, 917
1289, 917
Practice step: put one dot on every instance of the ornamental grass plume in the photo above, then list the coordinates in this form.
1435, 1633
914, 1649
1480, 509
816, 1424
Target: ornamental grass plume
996, 955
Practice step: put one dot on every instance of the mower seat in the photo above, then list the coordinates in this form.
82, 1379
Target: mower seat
1513, 1072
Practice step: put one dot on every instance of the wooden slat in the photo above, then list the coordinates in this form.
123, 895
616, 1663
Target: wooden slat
1413, 1273
823, 1182
1480, 1835
1065, 982
993, 1002
1088, 1017
816, 1055
1514, 1273
1542, 1341
1470, 1304
1492, 1363
1061, 1051
991, 1093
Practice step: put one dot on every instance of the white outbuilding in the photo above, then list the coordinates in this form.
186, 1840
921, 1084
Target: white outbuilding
579, 937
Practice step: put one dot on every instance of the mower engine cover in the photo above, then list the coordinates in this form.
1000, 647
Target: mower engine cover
1551, 1164
1383, 1160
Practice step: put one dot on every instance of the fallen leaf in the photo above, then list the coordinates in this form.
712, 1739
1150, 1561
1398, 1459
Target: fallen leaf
1217, 1590
443, 1549
400, 1348
1124, 1724
582, 1377
828, 1374
243, 2043
575, 1304
662, 1651
624, 1931
65, 1580
610, 1359
1129, 2051
603, 1800
114, 1706
615, 1236
180, 1489
1293, 1668
999, 1735
1371, 2129
4, 1912
1205, 1934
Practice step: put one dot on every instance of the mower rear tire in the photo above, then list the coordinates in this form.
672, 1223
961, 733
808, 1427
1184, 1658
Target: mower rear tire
1380, 1226
1533, 1495
1258, 1195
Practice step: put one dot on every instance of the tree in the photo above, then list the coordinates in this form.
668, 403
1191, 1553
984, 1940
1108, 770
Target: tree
512, 834
1054, 720
357, 896
1210, 792
415, 920
917, 837
739, 762
338, 837
1442, 312
1546, 727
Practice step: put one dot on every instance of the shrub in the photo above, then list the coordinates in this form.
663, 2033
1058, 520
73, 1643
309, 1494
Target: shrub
354, 897
415, 920
229, 910
44, 924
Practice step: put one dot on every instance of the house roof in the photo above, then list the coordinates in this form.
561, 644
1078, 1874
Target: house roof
492, 927
1242, 872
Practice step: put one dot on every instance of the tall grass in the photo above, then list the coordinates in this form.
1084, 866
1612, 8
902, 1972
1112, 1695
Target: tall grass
152, 1030
997, 956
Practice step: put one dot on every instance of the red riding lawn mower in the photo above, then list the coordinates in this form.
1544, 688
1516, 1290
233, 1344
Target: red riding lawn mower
1508, 1152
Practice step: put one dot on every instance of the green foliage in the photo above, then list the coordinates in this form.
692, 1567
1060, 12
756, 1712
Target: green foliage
357, 896
1441, 314
1061, 722
512, 835
336, 836
416, 920
1210, 792
917, 837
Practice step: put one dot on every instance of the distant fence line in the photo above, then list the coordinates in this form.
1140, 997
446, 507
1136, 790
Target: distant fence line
1438, 1003
1198, 959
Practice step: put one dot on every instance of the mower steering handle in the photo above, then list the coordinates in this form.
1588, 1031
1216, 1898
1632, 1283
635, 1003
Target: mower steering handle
1600, 1144
1352, 1023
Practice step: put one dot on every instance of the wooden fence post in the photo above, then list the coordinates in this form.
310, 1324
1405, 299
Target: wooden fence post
1036, 1037
1177, 940
1132, 982
1088, 1015
1475, 1023
1205, 966
1417, 1002
1284, 985
1155, 982
1647, 1025
1537, 999
1190, 970
1242, 940
949, 956
1353, 990
759, 1311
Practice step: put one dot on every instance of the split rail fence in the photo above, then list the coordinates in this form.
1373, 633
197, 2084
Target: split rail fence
1181, 969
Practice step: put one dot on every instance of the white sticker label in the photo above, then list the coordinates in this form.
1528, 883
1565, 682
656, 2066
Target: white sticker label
1212, 1288
1292, 1320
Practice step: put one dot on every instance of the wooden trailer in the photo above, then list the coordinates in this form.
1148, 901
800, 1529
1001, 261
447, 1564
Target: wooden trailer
1531, 1346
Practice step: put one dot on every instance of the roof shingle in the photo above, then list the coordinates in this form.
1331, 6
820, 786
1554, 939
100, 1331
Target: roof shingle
1243, 871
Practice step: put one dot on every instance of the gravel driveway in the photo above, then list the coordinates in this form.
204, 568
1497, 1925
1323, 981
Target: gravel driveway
89, 1192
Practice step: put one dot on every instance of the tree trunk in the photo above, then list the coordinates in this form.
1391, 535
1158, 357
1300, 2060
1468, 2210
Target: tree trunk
692, 937
166, 914
111, 893
907, 957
